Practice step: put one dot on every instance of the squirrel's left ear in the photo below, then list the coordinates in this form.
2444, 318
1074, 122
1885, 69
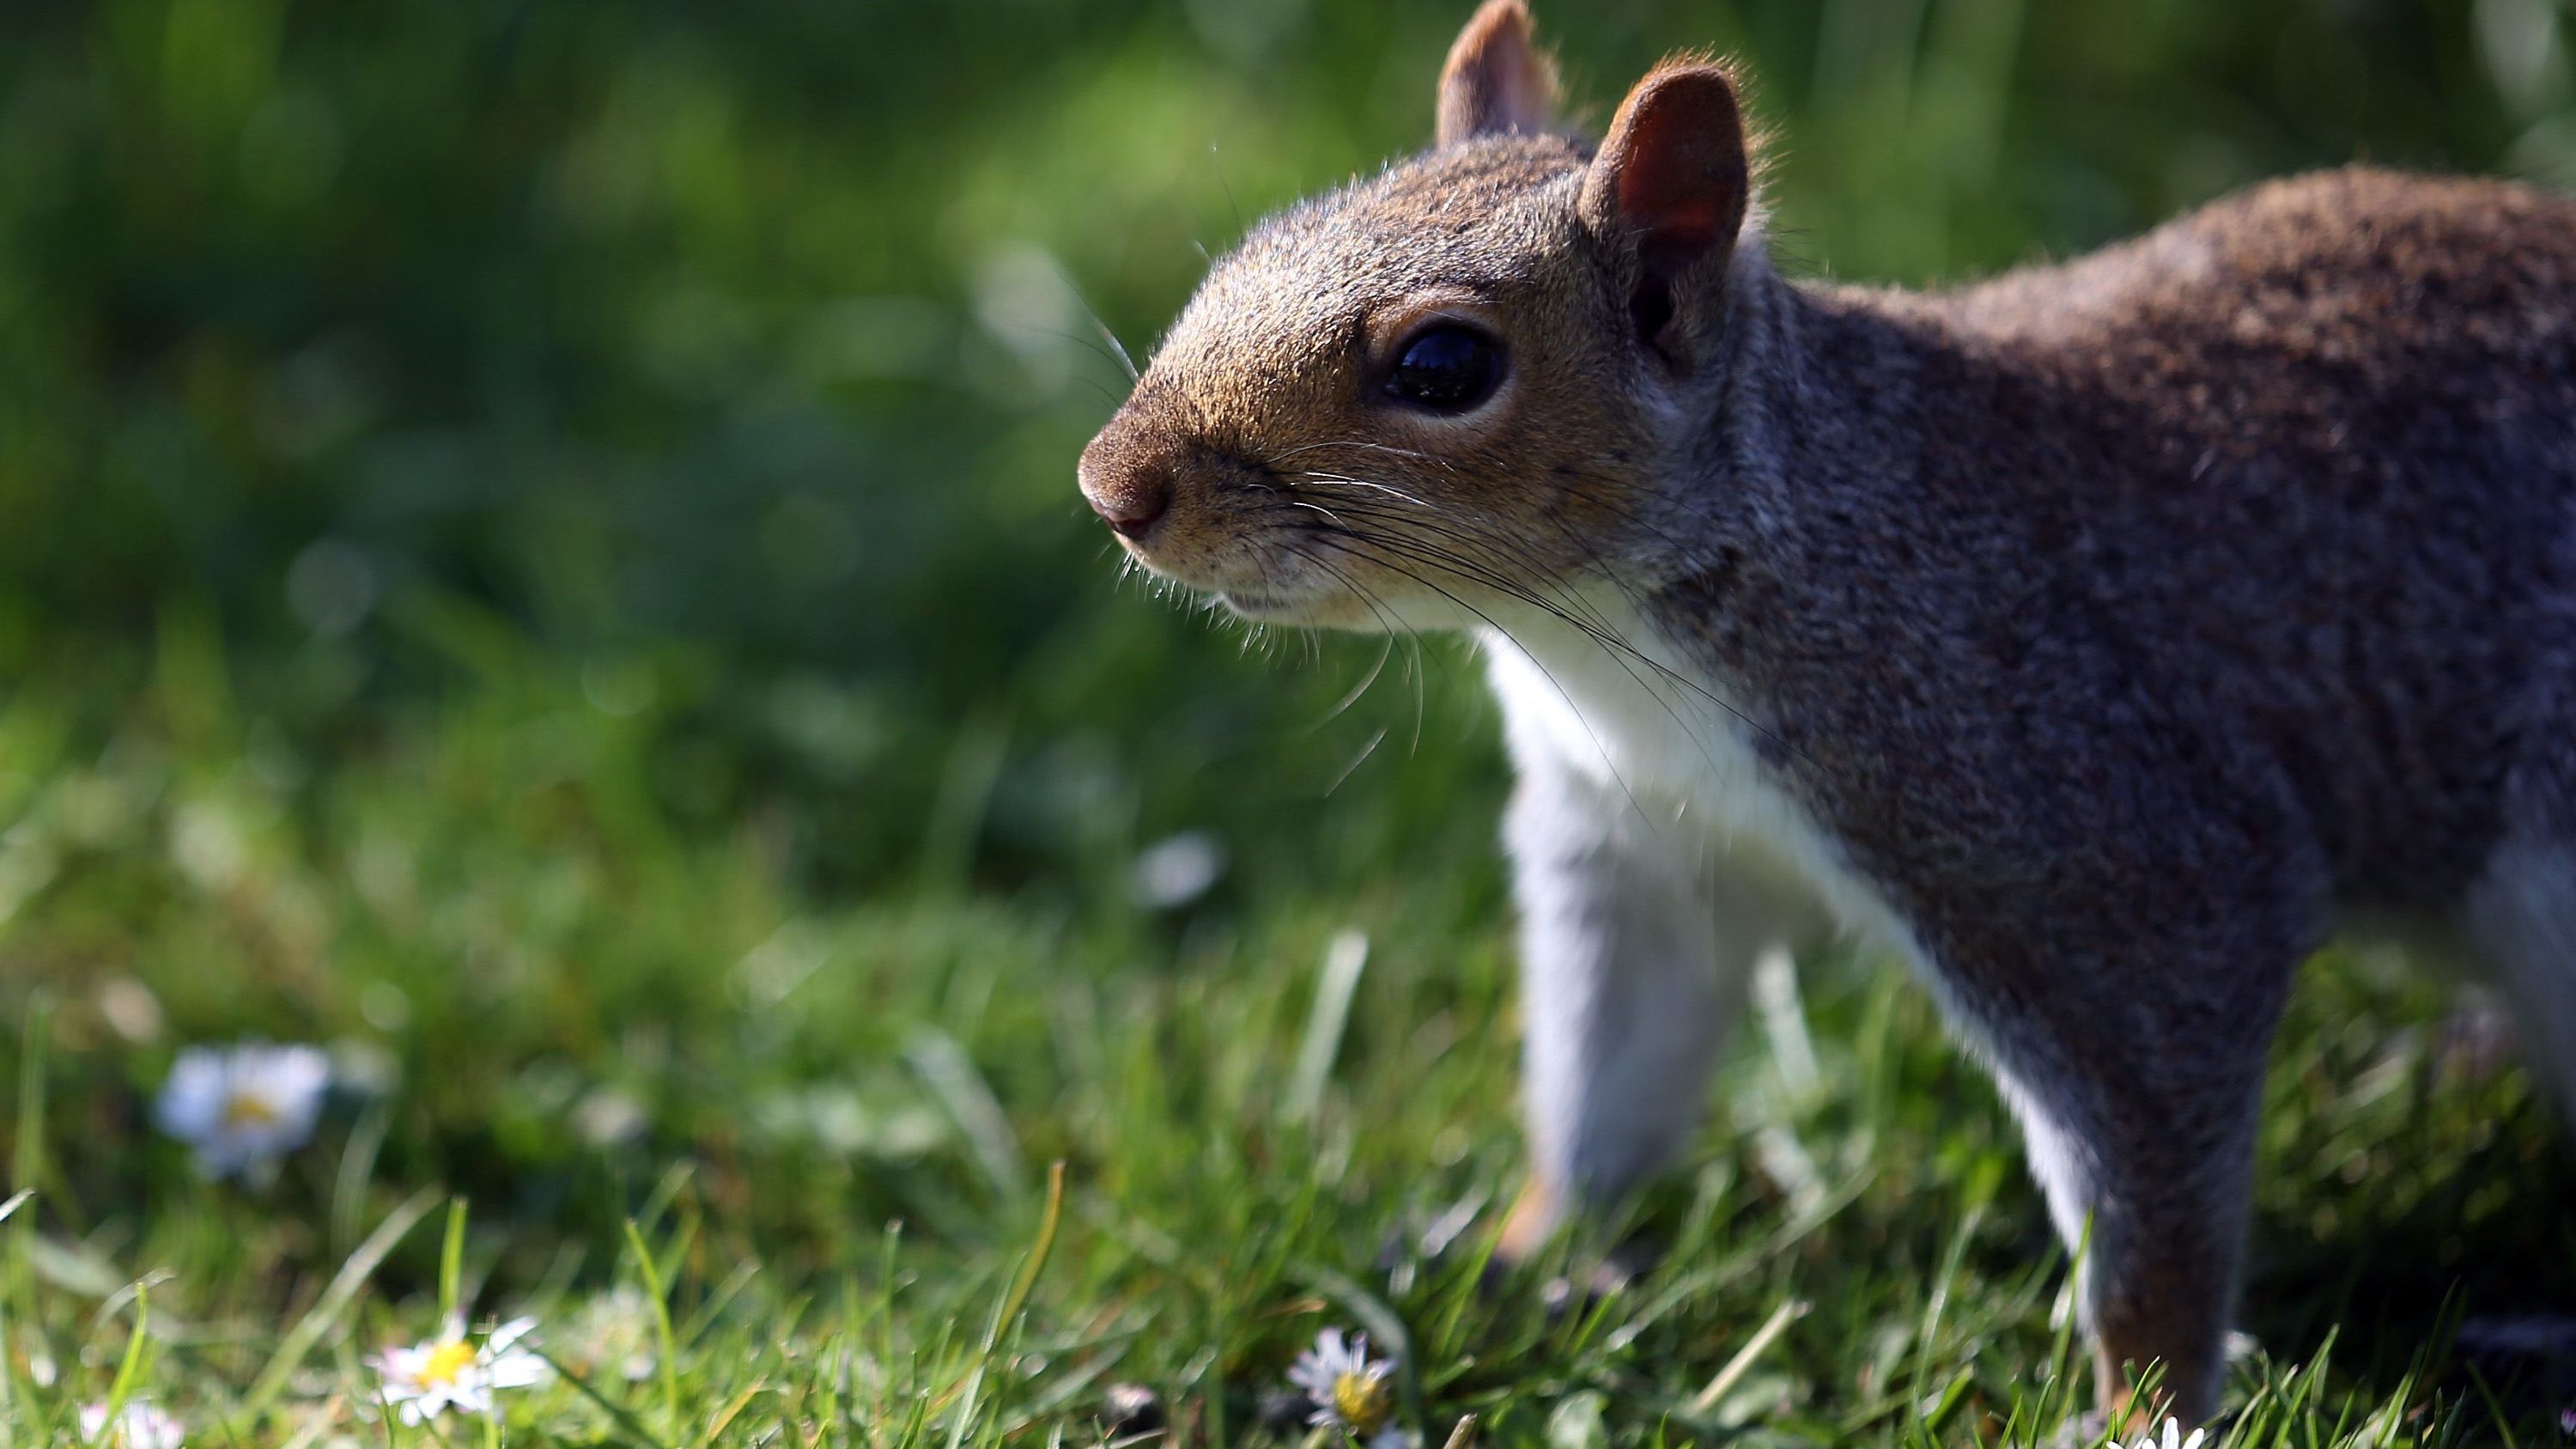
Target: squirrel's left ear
1669, 185
1497, 81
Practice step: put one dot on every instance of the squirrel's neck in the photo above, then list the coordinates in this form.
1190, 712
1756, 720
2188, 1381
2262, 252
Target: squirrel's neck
1800, 479
1821, 392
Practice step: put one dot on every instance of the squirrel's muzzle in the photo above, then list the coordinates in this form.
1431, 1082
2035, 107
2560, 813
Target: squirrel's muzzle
1126, 479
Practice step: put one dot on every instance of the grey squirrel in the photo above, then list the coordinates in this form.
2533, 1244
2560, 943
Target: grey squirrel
2100, 637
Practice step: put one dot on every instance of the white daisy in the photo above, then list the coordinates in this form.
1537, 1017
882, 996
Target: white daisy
613, 1333
451, 1372
142, 1425
243, 1107
1349, 1390
2173, 1438
1176, 870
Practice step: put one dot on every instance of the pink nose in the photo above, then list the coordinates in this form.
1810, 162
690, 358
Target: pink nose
1130, 499
1132, 508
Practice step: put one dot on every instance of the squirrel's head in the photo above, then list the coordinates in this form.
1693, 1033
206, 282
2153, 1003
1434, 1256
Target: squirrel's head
1454, 385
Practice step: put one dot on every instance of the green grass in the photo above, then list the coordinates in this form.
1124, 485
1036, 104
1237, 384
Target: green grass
836, 1122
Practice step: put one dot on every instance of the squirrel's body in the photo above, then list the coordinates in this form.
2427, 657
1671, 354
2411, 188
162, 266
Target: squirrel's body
2183, 479
2295, 475
2101, 636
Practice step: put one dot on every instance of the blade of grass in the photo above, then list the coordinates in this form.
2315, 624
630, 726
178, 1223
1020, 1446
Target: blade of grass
26, 1161
1980, 1192
1039, 1251
1732, 1373
335, 1300
950, 1073
357, 1169
1344, 960
120, 1391
624, 1416
316, 1424
968, 1392
451, 1269
703, 1320
2495, 1411
725, 1417
665, 1343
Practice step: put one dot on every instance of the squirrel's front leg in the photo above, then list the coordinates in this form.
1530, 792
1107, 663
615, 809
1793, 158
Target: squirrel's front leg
1634, 947
2138, 1082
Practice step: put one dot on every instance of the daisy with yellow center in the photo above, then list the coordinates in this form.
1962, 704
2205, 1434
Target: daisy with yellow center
243, 1108
446, 1363
249, 1112
1350, 1390
453, 1372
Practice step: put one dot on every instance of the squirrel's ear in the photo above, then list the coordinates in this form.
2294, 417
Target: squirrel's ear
1496, 80
1670, 182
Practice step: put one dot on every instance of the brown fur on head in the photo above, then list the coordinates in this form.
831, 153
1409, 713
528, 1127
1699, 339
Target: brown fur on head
1267, 455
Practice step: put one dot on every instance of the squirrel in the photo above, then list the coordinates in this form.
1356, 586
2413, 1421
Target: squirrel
2101, 637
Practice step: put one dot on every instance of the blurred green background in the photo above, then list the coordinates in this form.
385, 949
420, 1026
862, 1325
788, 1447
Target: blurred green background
730, 360
532, 532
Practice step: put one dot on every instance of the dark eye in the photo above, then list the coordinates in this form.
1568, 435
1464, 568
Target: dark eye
1447, 369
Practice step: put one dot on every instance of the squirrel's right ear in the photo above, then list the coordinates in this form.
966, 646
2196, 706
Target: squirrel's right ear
1670, 184
1497, 80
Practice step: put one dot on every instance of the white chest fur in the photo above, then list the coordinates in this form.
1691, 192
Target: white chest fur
1656, 733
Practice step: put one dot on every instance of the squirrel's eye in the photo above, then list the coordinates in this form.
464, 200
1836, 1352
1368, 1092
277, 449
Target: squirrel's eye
1446, 369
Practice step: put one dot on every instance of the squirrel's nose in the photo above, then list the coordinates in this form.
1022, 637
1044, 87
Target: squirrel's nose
1131, 500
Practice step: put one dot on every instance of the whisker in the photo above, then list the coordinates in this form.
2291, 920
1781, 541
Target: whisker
1407, 535
1620, 649
1357, 760
1394, 629
1595, 628
1549, 675
1503, 568
1353, 697
1412, 453
1336, 480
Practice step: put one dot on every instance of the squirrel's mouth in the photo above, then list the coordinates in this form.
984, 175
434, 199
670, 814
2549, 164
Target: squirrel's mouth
1264, 605
1273, 588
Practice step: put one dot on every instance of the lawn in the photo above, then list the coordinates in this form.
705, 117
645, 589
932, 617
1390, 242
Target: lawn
538, 557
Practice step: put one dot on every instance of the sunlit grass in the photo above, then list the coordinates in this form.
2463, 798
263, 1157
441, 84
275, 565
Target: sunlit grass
936, 1166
